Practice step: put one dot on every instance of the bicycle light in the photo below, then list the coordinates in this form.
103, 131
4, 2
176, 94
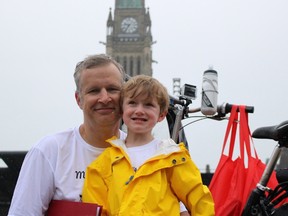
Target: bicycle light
189, 91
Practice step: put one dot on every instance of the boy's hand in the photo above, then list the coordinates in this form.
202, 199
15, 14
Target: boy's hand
185, 213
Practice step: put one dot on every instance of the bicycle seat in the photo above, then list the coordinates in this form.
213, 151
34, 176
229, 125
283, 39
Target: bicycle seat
282, 176
277, 132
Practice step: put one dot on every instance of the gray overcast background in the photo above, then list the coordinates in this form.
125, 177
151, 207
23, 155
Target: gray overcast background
246, 41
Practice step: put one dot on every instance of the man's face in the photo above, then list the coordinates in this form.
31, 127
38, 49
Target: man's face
99, 95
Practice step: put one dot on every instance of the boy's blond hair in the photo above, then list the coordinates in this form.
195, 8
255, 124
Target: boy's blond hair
146, 86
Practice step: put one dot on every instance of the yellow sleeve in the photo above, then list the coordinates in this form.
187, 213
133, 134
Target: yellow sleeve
186, 182
95, 189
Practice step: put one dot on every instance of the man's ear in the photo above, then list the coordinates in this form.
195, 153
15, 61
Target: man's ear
78, 99
162, 116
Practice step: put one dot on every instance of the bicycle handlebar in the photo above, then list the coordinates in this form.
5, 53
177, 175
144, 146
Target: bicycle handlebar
222, 110
226, 108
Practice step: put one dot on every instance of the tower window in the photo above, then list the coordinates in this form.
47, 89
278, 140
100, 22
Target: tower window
138, 65
131, 66
125, 63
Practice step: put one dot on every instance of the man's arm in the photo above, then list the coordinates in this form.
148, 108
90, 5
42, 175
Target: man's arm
34, 188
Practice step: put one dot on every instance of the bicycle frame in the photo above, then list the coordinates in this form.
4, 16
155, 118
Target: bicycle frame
262, 200
255, 204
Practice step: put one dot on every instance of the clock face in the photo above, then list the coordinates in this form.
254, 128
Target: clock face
129, 25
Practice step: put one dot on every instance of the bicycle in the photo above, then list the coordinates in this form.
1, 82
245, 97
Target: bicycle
264, 200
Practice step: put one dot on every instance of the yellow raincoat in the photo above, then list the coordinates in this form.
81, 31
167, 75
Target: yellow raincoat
153, 189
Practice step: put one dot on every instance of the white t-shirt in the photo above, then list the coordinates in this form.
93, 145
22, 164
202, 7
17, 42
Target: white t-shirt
53, 169
139, 154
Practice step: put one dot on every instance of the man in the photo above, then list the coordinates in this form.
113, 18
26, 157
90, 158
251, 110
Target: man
55, 167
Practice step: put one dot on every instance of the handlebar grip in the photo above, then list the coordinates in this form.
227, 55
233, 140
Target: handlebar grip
226, 108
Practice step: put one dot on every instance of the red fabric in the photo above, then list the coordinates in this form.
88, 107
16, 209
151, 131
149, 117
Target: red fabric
234, 179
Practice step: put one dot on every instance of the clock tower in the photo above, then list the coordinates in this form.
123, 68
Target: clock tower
129, 38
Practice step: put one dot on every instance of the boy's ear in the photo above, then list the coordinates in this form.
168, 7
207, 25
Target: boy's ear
162, 116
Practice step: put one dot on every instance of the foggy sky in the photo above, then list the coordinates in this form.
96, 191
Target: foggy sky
245, 42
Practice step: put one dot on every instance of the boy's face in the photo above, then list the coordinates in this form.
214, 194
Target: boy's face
140, 114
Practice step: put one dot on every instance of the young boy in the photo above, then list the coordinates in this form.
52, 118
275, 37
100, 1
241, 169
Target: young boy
142, 175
